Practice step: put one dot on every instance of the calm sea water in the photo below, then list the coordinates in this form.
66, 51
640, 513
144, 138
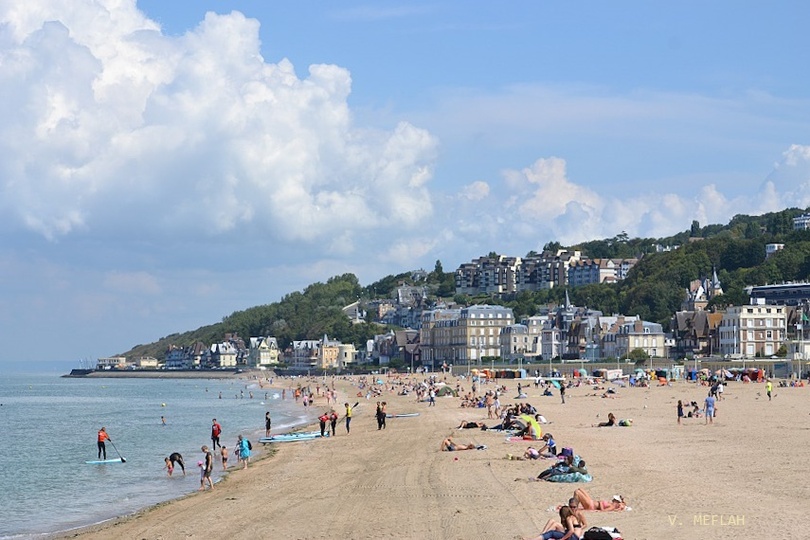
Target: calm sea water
50, 423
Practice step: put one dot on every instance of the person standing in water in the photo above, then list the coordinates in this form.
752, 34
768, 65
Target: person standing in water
244, 451
216, 431
206, 469
102, 448
267, 424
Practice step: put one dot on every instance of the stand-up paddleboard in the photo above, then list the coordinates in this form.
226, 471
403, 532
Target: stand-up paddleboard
104, 461
402, 415
292, 437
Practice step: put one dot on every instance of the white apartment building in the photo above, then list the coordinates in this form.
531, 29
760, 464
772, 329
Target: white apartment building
801, 223
753, 330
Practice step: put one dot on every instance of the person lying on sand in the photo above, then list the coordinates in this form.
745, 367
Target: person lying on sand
616, 504
449, 445
471, 425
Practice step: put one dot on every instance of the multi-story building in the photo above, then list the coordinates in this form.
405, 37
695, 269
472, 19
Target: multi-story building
434, 340
786, 294
506, 275
546, 271
263, 351
591, 271
644, 335
696, 333
753, 330
463, 336
488, 275
223, 355
303, 353
801, 223
514, 342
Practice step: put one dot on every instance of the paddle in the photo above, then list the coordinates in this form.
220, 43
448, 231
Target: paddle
123, 459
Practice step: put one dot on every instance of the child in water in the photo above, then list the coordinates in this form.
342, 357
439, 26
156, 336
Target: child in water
201, 465
224, 453
169, 467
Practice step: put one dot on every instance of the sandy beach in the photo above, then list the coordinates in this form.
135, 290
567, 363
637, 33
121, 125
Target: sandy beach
742, 477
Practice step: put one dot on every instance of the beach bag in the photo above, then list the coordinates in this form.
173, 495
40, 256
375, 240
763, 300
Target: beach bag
250, 446
602, 533
567, 452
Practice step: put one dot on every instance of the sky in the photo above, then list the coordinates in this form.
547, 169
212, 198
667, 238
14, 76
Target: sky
165, 164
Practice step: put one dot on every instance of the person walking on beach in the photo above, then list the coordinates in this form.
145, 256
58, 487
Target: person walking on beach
562, 393
380, 416
267, 424
348, 416
243, 446
207, 467
709, 405
333, 418
768, 389
323, 419
216, 431
102, 448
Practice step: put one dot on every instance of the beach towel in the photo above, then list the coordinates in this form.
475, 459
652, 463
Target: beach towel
559, 473
569, 477
602, 533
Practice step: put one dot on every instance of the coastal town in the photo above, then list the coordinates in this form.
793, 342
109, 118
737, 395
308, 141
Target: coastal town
441, 335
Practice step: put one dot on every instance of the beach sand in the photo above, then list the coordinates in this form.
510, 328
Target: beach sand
742, 477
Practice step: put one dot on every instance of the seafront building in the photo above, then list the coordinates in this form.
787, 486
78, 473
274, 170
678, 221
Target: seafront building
463, 336
753, 330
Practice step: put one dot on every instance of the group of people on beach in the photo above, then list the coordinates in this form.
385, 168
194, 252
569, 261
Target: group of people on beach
573, 523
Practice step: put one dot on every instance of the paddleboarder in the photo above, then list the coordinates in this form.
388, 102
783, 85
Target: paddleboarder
102, 448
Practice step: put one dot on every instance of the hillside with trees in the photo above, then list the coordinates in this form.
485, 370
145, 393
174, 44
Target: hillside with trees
653, 290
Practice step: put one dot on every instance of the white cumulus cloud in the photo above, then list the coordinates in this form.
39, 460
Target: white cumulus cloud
191, 134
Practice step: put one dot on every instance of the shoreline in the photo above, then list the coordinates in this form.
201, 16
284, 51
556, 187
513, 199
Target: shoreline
160, 374
681, 481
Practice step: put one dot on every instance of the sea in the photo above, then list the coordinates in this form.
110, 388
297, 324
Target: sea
49, 424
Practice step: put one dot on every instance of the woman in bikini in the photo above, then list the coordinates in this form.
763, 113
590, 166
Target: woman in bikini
616, 504
572, 523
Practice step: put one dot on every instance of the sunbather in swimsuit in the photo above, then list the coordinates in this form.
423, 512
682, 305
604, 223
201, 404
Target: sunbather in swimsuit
587, 502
